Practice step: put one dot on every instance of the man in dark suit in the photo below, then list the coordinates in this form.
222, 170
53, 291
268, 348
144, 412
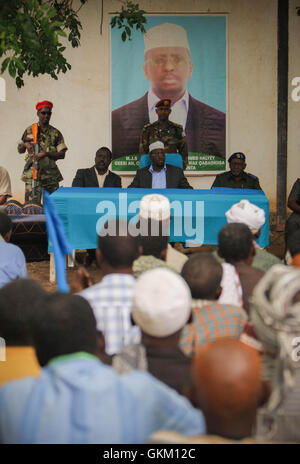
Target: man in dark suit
168, 68
98, 175
159, 175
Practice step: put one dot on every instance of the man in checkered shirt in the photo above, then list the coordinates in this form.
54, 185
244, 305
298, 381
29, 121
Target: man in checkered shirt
111, 299
211, 320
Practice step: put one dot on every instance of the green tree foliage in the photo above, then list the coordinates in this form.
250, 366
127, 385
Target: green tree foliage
130, 16
31, 32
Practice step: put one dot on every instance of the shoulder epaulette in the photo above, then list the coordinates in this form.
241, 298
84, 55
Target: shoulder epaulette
252, 175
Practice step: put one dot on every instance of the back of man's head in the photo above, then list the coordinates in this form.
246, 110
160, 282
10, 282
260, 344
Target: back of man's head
63, 324
5, 224
116, 245
228, 388
17, 307
203, 274
235, 242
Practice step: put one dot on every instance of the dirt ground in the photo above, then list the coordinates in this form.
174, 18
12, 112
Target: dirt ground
39, 271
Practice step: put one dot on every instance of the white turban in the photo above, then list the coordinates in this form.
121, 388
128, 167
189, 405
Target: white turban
246, 213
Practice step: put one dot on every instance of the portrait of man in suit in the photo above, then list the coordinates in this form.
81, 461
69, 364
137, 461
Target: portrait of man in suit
98, 175
168, 68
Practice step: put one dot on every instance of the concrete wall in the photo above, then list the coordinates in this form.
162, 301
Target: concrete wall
293, 167
82, 96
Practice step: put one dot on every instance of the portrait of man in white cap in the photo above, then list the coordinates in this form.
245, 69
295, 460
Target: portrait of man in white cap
168, 68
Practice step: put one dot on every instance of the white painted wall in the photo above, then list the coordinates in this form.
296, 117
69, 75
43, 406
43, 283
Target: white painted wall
82, 96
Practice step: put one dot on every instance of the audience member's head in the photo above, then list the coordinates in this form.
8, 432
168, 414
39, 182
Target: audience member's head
154, 225
161, 303
203, 274
18, 300
117, 248
228, 387
63, 324
275, 313
247, 213
236, 243
5, 226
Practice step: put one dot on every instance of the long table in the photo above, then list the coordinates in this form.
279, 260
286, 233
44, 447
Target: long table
197, 215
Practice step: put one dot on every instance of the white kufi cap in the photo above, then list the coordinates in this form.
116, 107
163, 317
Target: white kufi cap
156, 145
166, 35
155, 206
161, 303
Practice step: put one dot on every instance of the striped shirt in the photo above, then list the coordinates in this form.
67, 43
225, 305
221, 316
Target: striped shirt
211, 320
111, 301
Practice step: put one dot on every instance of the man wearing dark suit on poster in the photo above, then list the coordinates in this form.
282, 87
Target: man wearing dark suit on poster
168, 67
98, 175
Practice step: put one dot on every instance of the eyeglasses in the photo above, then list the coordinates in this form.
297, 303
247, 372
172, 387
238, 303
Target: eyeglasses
46, 112
175, 60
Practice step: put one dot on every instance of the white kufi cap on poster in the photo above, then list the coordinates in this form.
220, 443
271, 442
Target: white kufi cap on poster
166, 35
155, 206
161, 303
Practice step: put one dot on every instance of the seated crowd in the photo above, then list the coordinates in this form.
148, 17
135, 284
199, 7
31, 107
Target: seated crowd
164, 348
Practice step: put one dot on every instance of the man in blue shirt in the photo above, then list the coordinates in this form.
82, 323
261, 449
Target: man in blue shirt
159, 175
78, 399
12, 262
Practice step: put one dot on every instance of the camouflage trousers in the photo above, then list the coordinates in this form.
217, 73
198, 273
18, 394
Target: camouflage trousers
38, 193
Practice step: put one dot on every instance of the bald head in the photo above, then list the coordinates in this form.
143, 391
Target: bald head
227, 376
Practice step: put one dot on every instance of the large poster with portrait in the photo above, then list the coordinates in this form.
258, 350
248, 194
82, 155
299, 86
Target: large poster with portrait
181, 58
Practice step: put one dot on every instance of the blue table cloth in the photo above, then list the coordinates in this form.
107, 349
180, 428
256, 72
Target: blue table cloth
197, 215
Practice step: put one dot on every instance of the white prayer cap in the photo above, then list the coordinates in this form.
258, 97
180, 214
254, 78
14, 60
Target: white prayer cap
166, 35
161, 303
245, 212
155, 206
156, 145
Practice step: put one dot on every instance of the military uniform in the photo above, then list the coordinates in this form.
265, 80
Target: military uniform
49, 175
173, 137
226, 179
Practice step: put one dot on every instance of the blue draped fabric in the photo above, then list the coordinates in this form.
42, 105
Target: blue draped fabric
84, 210
58, 243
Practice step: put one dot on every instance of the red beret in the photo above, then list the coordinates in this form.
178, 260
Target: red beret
44, 104
164, 102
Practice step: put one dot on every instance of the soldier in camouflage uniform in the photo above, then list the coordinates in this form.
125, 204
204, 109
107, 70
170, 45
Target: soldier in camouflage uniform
172, 135
51, 148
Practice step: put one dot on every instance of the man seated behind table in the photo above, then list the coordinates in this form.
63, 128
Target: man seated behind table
99, 174
159, 175
236, 177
